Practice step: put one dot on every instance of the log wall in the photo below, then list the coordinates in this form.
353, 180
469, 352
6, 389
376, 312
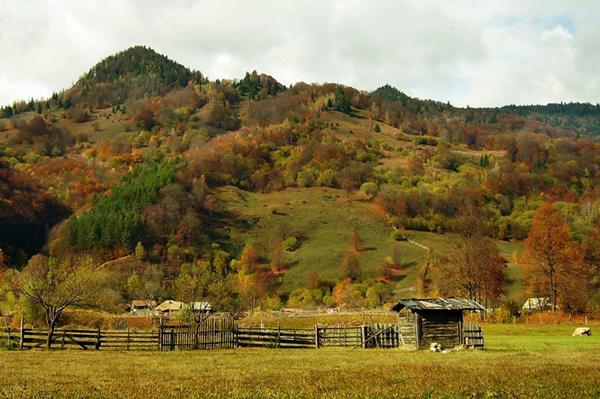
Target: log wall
444, 328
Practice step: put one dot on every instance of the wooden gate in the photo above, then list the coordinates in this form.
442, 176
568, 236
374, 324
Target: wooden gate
381, 336
214, 332
473, 336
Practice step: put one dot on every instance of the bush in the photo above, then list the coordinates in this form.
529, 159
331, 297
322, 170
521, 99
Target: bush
12, 345
291, 244
80, 115
398, 235
425, 140
370, 189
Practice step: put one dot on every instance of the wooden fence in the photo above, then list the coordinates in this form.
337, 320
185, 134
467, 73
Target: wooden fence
224, 333
365, 336
276, 338
83, 339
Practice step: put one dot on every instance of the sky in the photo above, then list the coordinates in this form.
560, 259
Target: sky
468, 52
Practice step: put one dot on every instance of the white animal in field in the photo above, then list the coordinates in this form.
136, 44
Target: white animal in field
581, 331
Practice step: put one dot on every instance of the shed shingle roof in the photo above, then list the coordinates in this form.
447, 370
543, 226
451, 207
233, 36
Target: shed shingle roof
438, 304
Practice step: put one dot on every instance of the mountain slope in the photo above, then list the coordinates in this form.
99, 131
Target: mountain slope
260, 163
26, 215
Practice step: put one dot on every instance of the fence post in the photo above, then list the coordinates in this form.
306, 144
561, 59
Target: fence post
234, 335
363, 336
279, 335
22, 334
98, 342
160, 335
128, 338
317, 336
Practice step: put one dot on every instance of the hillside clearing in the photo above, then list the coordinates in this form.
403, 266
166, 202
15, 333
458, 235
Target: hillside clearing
323, 220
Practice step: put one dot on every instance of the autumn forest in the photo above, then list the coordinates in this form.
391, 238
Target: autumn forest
148, 180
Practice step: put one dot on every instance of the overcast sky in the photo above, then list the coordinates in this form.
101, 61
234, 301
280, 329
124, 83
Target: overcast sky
477, 53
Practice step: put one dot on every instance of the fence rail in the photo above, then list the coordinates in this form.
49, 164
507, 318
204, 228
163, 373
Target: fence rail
366, 336
88, 339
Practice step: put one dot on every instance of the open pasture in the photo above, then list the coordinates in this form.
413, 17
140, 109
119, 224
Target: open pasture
522, 361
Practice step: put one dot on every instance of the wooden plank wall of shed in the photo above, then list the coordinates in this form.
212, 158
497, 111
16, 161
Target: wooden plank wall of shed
442, 327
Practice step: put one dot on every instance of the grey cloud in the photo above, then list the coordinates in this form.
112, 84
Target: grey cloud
468, 52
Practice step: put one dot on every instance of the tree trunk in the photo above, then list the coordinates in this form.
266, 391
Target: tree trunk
553, 292
50, 336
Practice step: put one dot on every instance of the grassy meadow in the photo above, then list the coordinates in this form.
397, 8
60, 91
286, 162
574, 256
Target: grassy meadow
522, 361
323, 220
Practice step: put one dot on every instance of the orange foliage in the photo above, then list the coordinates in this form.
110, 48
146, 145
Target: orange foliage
556, 266
72, 180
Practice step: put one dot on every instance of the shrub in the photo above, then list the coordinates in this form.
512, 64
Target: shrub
370, 189
398, 235
306, 178
425, 140
80, 115
291, 244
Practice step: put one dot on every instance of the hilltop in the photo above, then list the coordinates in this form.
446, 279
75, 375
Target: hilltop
286, 190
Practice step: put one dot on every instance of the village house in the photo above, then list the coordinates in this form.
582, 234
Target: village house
142, 305
171, 307
534, 304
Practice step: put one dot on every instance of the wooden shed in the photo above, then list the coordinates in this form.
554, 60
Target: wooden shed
439, 320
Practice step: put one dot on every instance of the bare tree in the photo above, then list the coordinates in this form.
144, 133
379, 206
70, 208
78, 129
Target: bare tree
148, 285
54, 286
474, 267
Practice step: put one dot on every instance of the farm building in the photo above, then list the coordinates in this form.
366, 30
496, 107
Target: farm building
438, 320
142, 305
170, 307
542, 303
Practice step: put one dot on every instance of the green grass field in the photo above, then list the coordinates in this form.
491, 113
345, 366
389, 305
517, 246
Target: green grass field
522, 361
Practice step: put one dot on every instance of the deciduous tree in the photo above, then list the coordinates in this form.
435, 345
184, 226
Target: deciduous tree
54, 286
356, 240
555, 259
249, 259
475, 268
200, 282
350, 268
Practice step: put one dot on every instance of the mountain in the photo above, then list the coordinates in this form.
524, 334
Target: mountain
390, 93
289, 189
254, 85
137, 72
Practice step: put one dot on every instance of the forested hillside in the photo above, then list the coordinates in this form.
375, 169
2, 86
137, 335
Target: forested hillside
302, 196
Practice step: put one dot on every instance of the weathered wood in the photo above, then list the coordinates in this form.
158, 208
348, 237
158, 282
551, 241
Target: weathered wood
22, 334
